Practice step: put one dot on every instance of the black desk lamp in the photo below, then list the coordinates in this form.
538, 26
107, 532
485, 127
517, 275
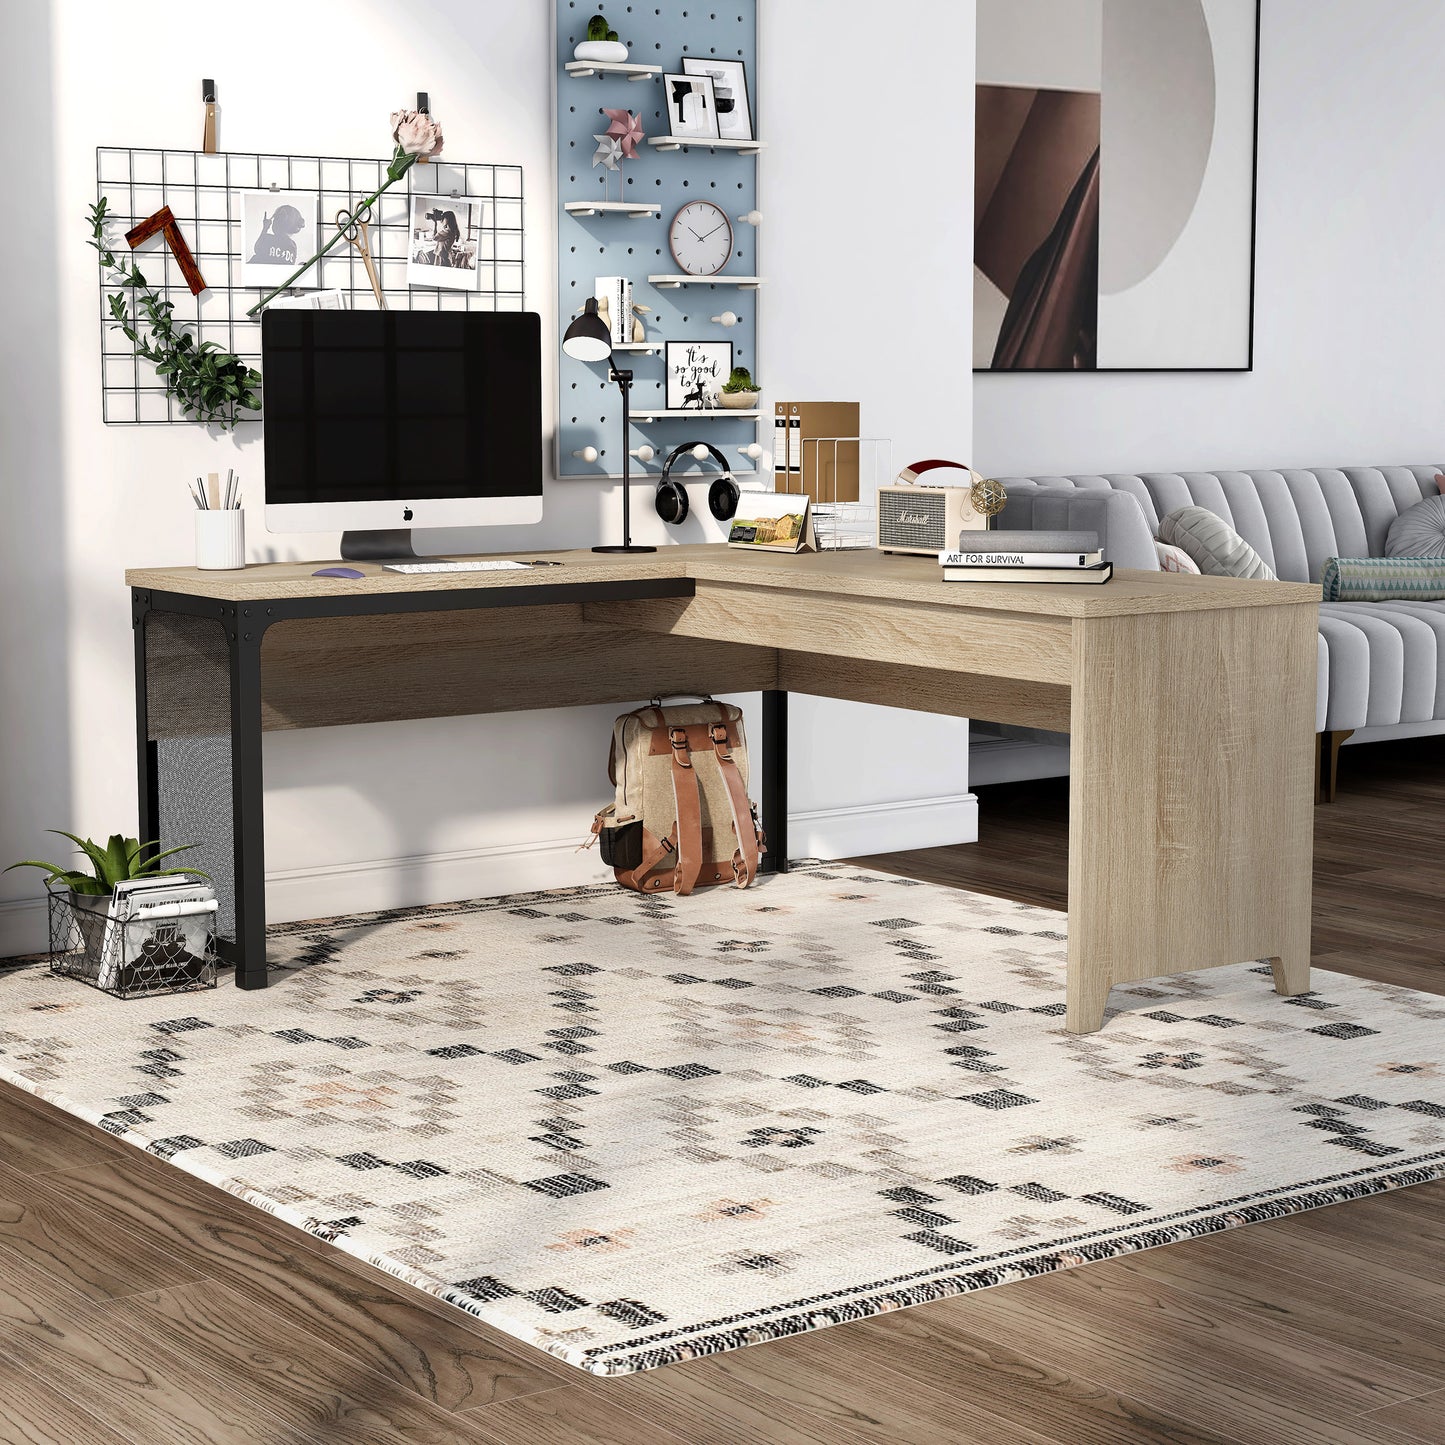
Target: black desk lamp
588, 339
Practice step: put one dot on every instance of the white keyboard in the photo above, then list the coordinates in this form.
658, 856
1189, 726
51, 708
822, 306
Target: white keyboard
491, 566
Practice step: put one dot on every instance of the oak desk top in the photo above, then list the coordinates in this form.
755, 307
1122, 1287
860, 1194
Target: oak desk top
847, 574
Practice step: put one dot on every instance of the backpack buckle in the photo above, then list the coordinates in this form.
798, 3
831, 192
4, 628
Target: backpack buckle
681, 753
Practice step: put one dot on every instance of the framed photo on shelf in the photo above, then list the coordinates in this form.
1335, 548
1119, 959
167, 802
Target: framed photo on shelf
729, 93
442, 248
691, 107
278, 232
696, 372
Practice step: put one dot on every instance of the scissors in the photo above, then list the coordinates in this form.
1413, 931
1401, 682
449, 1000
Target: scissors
353, 225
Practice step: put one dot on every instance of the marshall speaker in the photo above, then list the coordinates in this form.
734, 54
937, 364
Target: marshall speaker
927, 517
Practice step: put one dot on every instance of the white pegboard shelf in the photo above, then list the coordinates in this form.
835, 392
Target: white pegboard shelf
677, 142
672, 281
716, 413
580, 69
641, 347
633, 210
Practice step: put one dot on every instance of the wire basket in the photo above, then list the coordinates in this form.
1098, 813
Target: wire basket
131, 958
840, 525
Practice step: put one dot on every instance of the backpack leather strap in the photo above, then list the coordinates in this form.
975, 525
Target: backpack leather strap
689, 813
654, 850
745, 859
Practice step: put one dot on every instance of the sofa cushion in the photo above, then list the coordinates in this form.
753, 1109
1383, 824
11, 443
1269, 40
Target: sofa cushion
1419, 531
1380, 663
1384, 579
1175, 559
1216, 548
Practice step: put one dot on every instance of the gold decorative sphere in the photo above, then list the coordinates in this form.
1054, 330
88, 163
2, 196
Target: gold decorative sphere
987, 496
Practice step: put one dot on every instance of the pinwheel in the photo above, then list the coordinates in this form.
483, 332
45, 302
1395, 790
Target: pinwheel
609, 152
627, 128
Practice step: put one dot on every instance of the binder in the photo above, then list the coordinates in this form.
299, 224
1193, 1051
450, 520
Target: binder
827, 473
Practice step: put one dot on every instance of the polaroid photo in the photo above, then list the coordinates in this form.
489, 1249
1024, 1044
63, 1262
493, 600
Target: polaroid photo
691, 109
729, 92
442, 247
696, 372
278, 233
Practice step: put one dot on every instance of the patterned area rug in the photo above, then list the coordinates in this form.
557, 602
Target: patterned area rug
635, 1130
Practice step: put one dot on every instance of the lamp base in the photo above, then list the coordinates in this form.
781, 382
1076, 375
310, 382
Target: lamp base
626, 547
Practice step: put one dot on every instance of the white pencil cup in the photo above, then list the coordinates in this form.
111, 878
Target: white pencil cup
221, 540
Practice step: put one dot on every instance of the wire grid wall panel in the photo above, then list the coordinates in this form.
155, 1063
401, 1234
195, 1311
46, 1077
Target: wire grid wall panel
204, 194
590, 407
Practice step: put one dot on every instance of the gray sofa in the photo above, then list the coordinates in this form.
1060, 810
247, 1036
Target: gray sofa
1381, 664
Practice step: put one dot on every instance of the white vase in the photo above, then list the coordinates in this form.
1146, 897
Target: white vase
602, 52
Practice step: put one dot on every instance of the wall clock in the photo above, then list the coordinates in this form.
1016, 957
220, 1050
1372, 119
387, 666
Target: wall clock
701, 237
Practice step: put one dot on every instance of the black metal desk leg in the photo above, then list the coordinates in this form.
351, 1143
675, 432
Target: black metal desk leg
775, 780
148, 809
247, 803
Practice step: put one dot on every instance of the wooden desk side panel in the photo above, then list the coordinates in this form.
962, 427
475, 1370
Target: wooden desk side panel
911, 634
1191, 796
927, 689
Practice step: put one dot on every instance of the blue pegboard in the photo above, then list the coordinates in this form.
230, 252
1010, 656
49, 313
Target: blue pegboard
615, 245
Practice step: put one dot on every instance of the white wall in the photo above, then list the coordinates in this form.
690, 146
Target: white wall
867, 198
361, 817
1349, 309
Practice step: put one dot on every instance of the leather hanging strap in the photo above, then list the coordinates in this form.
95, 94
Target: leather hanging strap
654, 850
745, 859
689, 813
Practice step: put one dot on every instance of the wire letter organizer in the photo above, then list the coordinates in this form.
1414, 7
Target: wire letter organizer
203, 192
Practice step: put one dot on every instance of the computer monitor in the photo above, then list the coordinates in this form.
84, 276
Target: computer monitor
379, 421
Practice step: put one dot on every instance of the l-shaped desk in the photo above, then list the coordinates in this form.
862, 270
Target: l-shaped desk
1189, 702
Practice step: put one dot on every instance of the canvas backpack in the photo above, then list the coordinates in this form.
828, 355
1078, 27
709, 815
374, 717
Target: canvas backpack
681, 818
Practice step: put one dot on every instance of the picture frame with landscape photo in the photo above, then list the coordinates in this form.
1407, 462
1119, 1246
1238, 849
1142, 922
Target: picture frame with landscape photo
696, 372
731, 104
278, 232
443, 241
691, 107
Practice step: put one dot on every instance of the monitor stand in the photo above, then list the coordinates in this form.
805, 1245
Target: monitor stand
390, 544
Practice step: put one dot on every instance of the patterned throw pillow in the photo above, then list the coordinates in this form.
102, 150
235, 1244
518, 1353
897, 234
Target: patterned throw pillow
1174, 559
1383, 579
1418, 531
1217, 549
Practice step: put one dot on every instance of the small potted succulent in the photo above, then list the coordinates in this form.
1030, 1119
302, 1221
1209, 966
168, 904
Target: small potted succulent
88, 895
602, 45
740, 392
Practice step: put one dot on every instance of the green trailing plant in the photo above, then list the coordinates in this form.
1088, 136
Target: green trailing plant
741, 379
210, 384
120, 859
598, 29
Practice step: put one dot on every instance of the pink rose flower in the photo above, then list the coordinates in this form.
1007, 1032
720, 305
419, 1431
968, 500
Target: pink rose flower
416, 133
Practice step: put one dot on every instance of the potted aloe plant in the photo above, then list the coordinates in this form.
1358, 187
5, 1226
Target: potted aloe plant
118, 860
740, 392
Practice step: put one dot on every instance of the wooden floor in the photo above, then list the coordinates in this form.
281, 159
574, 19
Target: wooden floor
139, 1305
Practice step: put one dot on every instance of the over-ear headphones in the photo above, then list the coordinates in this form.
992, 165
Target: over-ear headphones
722, 496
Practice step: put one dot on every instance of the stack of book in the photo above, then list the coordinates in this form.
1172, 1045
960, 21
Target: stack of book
1027, 557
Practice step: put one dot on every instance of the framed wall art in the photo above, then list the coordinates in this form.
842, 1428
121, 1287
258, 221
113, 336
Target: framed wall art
1114, 185
696, 373
691, 107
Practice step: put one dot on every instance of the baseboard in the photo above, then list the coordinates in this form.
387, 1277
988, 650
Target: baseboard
1015, 760
24, 927
884, 827
341, 888
404, 882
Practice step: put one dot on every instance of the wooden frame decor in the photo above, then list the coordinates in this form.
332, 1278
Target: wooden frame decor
1114, 185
